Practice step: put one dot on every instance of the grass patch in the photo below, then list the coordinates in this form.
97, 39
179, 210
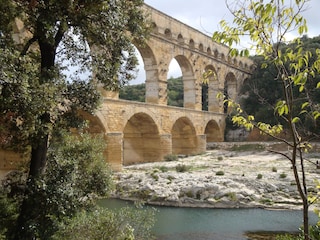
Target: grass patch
247, 147
163, 169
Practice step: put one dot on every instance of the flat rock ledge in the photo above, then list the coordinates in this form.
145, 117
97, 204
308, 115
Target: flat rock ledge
215, 179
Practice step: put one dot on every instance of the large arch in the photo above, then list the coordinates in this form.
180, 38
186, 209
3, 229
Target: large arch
214, 105
141, 140
152, 74
230, 89
213, 132
184, 139
188, 78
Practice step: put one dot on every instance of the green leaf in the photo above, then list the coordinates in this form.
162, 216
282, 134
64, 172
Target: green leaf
295, 120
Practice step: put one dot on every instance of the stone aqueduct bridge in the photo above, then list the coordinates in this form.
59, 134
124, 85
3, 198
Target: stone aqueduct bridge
145, 132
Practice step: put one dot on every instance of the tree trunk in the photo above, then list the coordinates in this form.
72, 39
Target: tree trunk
306, 219
38, 158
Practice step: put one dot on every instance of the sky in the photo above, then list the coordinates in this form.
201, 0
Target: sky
205, 15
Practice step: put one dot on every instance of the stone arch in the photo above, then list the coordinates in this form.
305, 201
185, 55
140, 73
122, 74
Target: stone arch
154, 27
184, 139
167, 33
180, 38
223, 57
213, 89
209, 51
201, 47
216, 53
188, 79
213, 132
230, 88
95, 123
141, 140
191, 44
152, 74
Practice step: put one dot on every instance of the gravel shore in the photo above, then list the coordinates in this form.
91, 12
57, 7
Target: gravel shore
218, 178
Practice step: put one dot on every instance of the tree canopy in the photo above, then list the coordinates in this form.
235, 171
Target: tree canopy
295, 72
41, 40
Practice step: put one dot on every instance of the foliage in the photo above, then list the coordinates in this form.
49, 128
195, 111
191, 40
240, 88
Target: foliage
175, 92
39, 42
170, 157
262, 91
124, 224
220, 173
133, 92
182, 168
76, 174
295, 72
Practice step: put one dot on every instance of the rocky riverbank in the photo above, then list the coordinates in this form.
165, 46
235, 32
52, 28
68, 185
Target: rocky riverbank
220, 178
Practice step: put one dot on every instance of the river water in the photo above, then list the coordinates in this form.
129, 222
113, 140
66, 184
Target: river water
174, 223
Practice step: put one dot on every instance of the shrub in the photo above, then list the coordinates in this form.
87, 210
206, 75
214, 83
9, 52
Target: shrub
274, 169
259, 176
154, 176
283, 175
126, 223
232, 196
220, 158
220, 173
164, 169
182, 168
170, 158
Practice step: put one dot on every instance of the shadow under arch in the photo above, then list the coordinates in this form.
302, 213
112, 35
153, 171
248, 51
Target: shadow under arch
188, 79
141, 140
184, 138
213, 132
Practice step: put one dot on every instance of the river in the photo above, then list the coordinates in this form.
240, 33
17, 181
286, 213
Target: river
173, 223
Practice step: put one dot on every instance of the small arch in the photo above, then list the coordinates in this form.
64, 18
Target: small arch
141, 140
168, 33
213, 132
154, 27
216, 53
184, 139
201, 47
223, 57
209, 51
180, 38
241, 64
235, 62
191, 44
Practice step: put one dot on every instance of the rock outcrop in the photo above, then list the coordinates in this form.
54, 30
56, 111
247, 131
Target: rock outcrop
216, 179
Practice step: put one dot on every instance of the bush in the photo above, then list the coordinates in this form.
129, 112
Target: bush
259, 176
220, 173
76, 173
164, 169
182, 168
125, 224
220, 158
283, 175
170, 158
